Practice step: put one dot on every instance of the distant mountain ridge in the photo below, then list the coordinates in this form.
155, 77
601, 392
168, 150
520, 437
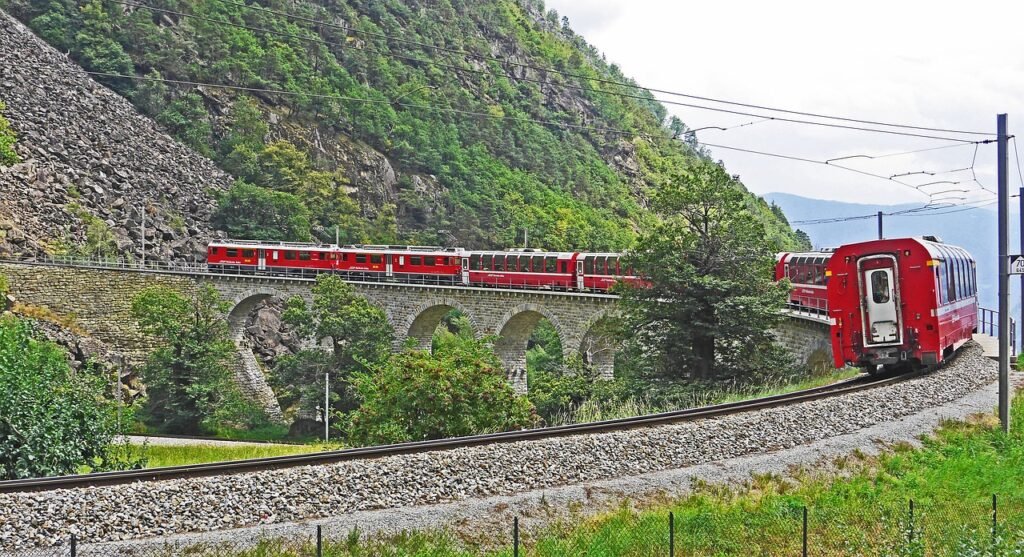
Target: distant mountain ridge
974, 230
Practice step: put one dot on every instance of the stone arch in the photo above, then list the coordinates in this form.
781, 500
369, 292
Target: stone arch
595, 345
423, 321
248, 371
243, 304
514, 330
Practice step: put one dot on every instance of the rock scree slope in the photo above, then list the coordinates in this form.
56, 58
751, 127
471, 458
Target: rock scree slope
89, 156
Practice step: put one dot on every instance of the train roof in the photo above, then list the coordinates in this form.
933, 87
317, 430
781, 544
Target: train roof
934, 246
521, 252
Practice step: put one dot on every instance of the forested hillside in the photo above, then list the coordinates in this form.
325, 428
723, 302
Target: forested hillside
426, 121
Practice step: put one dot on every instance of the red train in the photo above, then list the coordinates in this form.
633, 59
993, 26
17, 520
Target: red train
524, 268
903, 302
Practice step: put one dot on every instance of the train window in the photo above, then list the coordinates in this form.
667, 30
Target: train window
289, 255
588, 265
454, 261
599, 266
550, 264
474, 262
248, 253
360, 258
415, 260
429, 261
213, 251
613, 265
511, 263
314, 255
487, 262
304, 256
880, 287
232, 252
524, 263
376, 258
538, 263
791, 271
499, 262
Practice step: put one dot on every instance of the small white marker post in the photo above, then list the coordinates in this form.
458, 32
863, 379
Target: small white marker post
327, 412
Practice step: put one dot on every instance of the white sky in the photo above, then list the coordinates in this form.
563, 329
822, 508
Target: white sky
930, 63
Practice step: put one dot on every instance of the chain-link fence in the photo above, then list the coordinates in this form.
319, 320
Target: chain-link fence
778, 526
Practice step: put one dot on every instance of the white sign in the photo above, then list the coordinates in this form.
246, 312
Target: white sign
1016, 264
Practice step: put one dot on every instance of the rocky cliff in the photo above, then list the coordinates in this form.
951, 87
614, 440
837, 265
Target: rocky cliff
89, 157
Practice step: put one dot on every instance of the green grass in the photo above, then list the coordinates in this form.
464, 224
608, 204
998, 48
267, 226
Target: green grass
858, 506
177, 455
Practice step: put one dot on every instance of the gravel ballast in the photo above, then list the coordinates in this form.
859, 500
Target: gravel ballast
207, 504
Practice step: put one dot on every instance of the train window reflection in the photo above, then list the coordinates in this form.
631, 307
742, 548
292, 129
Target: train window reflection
880, 287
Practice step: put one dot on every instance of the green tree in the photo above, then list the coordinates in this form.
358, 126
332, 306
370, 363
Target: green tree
803, 241
358, 335
256, 213
711, 303
94, 45
8, 155
460, 389
189, 380
242, 145
52, 420
186, 118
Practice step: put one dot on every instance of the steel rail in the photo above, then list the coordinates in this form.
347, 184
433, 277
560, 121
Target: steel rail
259, 464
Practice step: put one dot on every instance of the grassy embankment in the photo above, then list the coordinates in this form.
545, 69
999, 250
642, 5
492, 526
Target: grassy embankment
858, 506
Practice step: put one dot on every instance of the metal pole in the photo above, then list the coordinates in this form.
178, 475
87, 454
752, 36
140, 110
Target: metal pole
143, 234
515, 537
1020, 217
319, 541
327, 409
1004, 274
74, 545
671, 535
526, 238
879, 225
805, 531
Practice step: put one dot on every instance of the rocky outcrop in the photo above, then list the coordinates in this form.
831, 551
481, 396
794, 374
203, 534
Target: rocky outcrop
86, 151
268, 336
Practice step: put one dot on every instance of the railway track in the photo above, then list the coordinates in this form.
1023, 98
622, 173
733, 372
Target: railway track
230, 467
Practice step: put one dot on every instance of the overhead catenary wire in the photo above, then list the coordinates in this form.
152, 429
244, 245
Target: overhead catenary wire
349, 28
319, 40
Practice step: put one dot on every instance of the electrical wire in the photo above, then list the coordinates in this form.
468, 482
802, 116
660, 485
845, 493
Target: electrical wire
350, 29
318, 40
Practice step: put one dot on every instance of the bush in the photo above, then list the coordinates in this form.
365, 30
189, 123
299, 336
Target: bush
8, 155
460, 389
52, 420
255, 213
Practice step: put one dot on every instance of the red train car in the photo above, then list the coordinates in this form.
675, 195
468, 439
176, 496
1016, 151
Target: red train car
273, 258
521, 269
807, 273
601, 271
900, 303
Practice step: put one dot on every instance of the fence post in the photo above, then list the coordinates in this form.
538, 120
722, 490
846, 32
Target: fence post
515, 537
910, 530
319, 541
671, 534
805, 531
995, 517
74, 546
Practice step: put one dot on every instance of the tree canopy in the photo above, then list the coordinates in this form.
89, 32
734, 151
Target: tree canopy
711, 301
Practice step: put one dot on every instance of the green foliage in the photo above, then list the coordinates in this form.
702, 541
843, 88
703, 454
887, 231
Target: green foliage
711, 303
357, 332
52, 420
572, 187
99, 238
4, 286
460, 389
189, 380
255, 213
8, 155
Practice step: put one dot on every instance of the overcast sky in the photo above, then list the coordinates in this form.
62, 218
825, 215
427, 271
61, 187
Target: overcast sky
928, 63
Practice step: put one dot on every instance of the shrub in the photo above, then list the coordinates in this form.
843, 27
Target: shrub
460, 389
52, 420
8, 155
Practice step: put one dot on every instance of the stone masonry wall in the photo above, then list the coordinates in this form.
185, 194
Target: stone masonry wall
808, 340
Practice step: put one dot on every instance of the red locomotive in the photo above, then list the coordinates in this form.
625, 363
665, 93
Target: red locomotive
524, 268
898, 303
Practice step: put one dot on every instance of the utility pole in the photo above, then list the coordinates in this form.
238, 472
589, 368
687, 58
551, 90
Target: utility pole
526, 238
1020, 218
879, 225
143, 226
327, 408
1004, 273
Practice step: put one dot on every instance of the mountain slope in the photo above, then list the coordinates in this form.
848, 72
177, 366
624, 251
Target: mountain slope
92, 163
424, 121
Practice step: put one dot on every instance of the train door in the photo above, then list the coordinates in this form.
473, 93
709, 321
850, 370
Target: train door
262, 265
579, 274
389, 265
465, 271
880, 295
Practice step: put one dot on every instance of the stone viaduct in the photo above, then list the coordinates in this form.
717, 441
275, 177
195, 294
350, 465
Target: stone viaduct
99, 299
